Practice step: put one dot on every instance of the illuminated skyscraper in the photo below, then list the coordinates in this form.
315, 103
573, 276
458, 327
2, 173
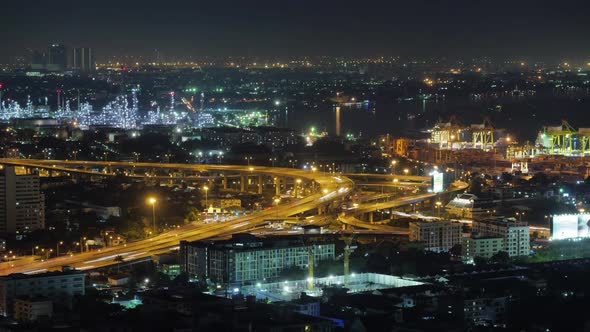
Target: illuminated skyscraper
83, 59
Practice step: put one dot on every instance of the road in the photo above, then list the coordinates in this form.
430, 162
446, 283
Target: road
352, 221
332, 187
402, 201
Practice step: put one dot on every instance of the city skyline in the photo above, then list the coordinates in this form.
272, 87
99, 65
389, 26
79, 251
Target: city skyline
266, 28
309, 166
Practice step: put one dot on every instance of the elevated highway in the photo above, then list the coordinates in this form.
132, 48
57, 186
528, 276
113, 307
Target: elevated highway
350, 218
403, 201
354, 222
329, 189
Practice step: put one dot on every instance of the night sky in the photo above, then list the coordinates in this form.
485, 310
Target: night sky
300, 27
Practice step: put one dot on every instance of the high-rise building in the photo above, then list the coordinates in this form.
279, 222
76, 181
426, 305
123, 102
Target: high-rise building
245, 258
22, 205
436, 236
516, 234
83, 59
38, 60
57, 59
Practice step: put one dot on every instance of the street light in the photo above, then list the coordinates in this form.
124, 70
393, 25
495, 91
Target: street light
406, 171
82, 244
152, 201
438, 205
57, 247
277, 201
393, 163
206, 190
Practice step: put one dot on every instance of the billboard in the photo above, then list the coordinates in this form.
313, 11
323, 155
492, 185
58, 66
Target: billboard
569, 226
437, 182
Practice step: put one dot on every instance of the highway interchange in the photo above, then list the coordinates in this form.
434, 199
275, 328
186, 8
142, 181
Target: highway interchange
330, 188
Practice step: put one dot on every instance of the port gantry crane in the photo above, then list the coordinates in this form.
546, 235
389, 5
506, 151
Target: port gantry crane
483, 135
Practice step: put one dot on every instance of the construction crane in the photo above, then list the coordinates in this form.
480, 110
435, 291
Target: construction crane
348, 249
310, 267
309, 243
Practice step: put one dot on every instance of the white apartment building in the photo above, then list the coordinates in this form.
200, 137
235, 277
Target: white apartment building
436, 236
516, 234
485, 247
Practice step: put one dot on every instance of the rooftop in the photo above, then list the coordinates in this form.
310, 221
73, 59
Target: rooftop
249, 242
20, 276
502, 221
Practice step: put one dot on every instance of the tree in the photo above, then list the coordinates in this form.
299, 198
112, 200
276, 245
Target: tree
119, 259
501, 257
540, 179
475, 186
480, 261
161, 279
456, 250
506, 177
131, 229
181, 279
193, 214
